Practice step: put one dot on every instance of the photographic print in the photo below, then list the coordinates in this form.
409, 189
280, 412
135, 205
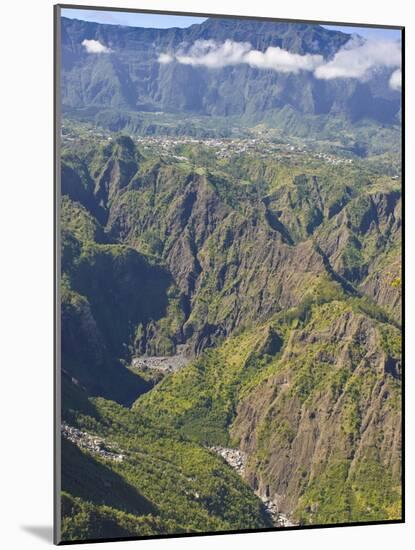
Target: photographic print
229, 274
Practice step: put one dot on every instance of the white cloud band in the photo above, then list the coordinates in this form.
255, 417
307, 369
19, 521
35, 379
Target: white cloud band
95, 46
357, 59
395, 81
165, 58
209, 53
354, 60
283, 61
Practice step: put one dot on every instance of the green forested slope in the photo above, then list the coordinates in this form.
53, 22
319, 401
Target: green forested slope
280, 279
313, 398
164, 484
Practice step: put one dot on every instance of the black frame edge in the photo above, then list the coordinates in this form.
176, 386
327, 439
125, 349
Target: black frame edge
56, 280
403, 274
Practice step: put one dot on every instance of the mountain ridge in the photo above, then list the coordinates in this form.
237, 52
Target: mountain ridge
130, 78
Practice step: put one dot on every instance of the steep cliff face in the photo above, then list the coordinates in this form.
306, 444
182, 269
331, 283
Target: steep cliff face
362, 243
312, 398
384, 282
116, 88
235, 253
356, 226
323, 430
108, 292
229, 264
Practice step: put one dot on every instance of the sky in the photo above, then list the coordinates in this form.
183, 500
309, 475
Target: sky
134, 19
368, 32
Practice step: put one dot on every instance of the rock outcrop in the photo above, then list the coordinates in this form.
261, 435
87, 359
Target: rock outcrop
331, 408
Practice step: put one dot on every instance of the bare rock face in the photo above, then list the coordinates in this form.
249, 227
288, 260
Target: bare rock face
332, 404
79, 329
237, 460
235, 257
230, 266
362, 243
234, 260
384, 285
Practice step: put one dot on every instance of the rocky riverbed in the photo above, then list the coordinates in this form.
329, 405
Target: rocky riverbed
162, 363
234, 457
237, 459
91, 443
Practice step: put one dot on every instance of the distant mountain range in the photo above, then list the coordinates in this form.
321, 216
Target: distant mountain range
129, 78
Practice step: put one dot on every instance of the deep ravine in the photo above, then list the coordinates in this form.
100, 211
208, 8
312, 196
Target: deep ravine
237, 459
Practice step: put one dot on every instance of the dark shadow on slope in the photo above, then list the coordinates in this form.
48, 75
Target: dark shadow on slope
85, 477
114, 290
276, 225
347, 287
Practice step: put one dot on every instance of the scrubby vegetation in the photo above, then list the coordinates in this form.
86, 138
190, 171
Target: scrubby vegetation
279, 386
278, 276
164, 484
